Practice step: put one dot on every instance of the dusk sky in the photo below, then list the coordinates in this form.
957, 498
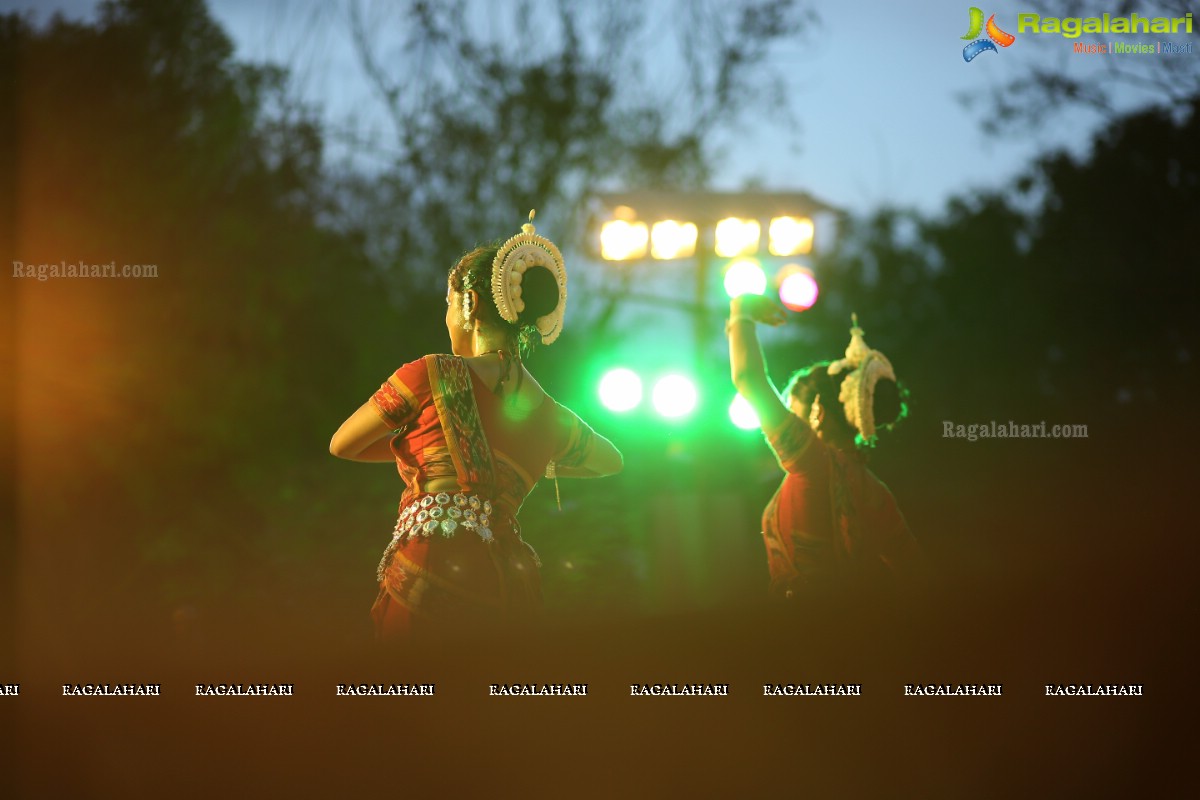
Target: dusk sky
875, 89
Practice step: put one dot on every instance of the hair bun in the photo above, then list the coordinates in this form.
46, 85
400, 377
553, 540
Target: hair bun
539, 293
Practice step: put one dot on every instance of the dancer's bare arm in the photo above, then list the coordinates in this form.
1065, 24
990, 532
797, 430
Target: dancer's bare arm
364, 436
747, 366
587, 453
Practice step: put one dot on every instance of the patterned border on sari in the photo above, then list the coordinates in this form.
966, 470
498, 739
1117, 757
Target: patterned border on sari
454, 398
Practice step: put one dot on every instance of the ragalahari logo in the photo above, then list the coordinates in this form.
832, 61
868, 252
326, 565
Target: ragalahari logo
994, 35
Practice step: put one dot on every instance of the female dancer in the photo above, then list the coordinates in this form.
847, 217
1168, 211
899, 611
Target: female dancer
470, 434
831, 523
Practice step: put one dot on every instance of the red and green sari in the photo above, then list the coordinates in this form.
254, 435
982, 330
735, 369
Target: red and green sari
457, 558
831, 523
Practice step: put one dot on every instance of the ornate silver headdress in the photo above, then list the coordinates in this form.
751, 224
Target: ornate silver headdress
857, 394
518, 254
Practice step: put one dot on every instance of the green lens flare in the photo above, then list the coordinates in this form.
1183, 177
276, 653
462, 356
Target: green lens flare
741, 414
620, 390
744, 277
674, 396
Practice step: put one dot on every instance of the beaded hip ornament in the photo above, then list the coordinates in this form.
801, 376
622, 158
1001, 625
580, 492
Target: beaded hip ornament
857, 395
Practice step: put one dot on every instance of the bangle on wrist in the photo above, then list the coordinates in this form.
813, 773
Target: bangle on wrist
736, 318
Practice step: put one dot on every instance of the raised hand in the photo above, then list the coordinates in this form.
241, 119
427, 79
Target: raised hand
759, 308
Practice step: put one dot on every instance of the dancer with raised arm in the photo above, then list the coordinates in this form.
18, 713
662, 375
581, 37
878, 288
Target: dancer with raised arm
831, 524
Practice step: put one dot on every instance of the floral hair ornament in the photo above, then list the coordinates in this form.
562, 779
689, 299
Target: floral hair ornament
515, 256
866, 367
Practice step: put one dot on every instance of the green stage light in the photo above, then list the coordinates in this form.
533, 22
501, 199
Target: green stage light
744, 276
620, 390
741, 413
674, 396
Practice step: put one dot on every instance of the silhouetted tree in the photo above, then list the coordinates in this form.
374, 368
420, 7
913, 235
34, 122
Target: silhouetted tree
1076, 282
174, 416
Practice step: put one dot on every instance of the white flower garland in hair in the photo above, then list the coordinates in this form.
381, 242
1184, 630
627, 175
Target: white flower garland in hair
528, 249
857, 394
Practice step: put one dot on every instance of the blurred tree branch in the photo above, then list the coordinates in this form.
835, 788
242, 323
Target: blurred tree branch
498, 108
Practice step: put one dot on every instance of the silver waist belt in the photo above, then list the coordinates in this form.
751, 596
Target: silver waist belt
445, 513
